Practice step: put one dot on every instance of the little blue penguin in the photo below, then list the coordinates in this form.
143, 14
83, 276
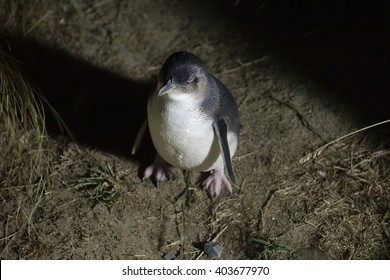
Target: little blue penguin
194, 124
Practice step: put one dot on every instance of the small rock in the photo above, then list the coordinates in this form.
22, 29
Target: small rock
213, 250
322, 173
169, 256
66, 8
62, 22
98, 32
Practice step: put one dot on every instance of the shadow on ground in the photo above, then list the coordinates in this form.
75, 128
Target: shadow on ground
344, 46
100, 108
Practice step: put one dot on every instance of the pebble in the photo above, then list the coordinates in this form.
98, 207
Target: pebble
322, 173
213, 250
169, 256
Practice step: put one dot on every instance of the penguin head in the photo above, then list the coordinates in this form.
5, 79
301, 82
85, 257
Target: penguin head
183, 73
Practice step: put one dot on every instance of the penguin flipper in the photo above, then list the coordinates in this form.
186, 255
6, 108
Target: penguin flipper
139, 137
220, 130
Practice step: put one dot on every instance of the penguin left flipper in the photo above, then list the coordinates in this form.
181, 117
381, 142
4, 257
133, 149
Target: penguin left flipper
220, 130
139, 137
159, 170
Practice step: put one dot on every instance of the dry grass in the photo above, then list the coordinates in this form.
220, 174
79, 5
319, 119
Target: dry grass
22, 120
27, 153
20, 17
103, 182
345, 197
24, 159
24, 163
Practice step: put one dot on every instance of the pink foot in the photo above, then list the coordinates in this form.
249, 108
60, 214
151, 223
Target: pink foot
158, 171
217, 184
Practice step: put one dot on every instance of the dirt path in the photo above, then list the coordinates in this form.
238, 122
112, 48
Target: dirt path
96, 62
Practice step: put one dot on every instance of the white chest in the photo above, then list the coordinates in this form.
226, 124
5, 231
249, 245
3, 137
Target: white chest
183, 135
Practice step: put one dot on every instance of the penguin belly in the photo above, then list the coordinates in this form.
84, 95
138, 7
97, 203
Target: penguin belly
184, 137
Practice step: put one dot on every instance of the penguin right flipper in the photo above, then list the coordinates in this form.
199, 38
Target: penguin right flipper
220, 130
139, 137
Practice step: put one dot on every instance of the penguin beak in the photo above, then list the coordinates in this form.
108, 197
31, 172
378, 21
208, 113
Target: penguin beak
169, 86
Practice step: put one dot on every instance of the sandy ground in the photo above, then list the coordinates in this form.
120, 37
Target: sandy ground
299, 82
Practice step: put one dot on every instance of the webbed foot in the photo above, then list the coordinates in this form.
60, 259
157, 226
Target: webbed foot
158, 171
217, 184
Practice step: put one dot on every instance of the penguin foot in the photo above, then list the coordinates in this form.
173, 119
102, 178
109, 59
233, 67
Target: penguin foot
158, 171
217, 184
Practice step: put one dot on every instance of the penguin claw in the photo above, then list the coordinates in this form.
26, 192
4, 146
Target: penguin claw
216, 184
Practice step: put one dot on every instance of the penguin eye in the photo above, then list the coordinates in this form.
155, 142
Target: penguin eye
193, 80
